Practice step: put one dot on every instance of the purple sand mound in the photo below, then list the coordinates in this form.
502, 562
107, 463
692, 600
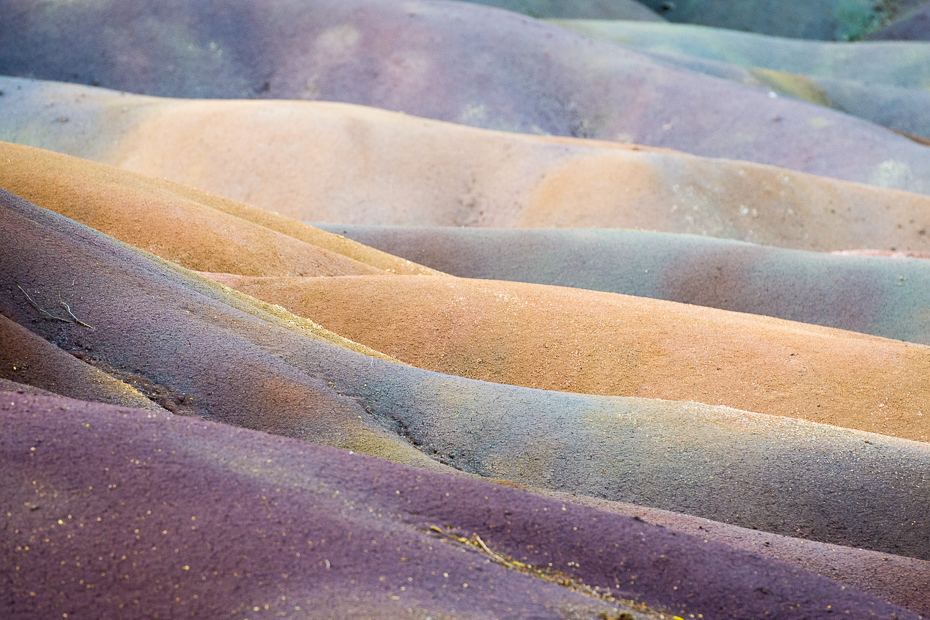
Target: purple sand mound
899, 580
871, 295
900, 109
226, 357
450, 61
120, 511
904, 65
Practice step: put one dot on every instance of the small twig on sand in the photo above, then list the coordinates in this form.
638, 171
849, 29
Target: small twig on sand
51, 316
36, 306
493, 555
76, 320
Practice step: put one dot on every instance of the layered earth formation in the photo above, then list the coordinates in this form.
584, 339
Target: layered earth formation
409, 309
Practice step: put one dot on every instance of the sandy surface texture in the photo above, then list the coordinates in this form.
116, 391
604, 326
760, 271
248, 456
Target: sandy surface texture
434, 310
493, 69
902, 64
898, 579
232, 358
589, 342
28, 359
195, 229
884, 83
358, 165
849, 290
315, 527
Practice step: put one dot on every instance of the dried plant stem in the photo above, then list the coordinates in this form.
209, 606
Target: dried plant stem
51, 316
76, 320
493, 555
36, 306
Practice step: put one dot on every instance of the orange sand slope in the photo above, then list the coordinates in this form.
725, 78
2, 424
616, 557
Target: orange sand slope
601, 343
190, 227
349, 164
869, 294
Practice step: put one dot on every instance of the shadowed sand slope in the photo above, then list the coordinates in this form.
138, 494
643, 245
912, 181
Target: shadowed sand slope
450, 61
27, 359
881, 83
902, 64
319, 532
915, 26
888, 298
897, 579
190, 227
365, 166
601, 343
21, 388
817, 19
235, 360
577, 9
112, 288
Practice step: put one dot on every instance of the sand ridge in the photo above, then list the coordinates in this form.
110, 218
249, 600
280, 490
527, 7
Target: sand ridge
898, 579
600, 343
324, 524
27, 359
880, 83
854, 290
382, 54
357, 165
896, 64
231, 361
192, 228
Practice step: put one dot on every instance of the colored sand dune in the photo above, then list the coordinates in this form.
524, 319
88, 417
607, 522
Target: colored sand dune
899, 64
856, 292
549, 326
601, 343
313, 526
884, 83
493, 69
287, 379
363, 166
